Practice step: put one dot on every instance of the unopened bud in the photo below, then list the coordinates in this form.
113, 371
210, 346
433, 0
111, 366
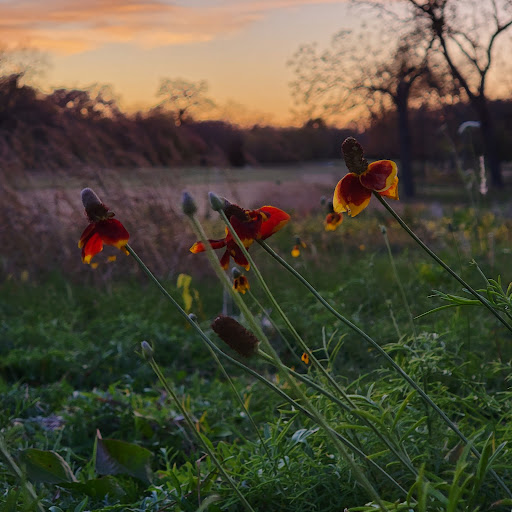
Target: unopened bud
383, 229
188, 205
236, 336
216, 202
235, 272
193, 317
147, 350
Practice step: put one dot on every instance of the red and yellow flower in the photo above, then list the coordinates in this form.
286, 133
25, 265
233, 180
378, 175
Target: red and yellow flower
249, 225
241, 284
297, 247
354, 191
102, 228
332, 221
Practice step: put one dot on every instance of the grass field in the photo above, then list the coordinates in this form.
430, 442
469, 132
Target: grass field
86, 424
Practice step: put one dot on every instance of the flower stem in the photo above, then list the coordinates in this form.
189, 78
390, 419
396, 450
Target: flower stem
386, 356
320, 419
194, 324
398, 280
333, 433
193, 429
438, 260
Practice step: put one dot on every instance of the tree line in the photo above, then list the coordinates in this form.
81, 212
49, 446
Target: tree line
69, 128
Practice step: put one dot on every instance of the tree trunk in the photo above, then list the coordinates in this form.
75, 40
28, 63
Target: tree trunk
492, 157
405, 171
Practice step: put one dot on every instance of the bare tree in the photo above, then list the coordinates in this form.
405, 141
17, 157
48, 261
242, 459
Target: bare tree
466, 34
184, 98
353, 72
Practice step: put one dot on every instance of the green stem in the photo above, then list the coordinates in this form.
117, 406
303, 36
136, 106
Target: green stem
385, 355
274, 325
308, 351
281, 368
192, 427
256, 375
185, 315
438, 260
398, 280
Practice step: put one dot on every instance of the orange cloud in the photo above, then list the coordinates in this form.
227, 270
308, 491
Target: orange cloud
74, 26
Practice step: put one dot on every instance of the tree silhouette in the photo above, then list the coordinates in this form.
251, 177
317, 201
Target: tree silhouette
465, 34
353, 72
184, 98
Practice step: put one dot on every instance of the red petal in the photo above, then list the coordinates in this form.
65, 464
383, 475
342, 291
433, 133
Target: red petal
247, 231
216, 244
112, 232
274, 220
224, 261
391, 192
92, 246
239, 257
88, 231
379, 176
350, 195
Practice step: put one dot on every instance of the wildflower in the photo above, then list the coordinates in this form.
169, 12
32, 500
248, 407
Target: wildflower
305, 358
249, 225
296, 248
333, 219
354, 191
102, 228
235, 335
240, 282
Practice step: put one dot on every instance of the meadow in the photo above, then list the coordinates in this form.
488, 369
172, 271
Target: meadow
112, 399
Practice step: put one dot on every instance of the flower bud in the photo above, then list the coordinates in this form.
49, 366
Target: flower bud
188, 205
235, 272
147, 351
383, 229
193, 317
216, 202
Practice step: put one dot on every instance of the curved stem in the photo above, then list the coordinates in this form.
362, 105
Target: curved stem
385, 355
438, 260
192, 427
333, 433
320, 418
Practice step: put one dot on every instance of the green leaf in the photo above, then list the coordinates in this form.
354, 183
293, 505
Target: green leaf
97, 488
46, 466
115, 457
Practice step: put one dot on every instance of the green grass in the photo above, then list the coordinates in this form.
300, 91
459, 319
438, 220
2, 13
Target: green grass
70, 365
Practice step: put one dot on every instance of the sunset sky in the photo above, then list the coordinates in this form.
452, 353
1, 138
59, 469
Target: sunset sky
240, 47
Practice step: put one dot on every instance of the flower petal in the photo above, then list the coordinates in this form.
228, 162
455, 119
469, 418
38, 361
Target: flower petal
92, 246
247, 230
391, 192
274, 220
238, 256
350, 195
379, 176
112, 232
216, 244
88, 231
224, 261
